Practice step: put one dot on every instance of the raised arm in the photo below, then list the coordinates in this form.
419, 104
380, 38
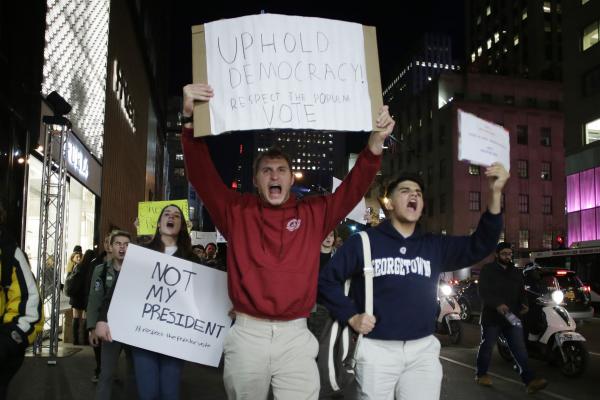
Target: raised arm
200, 169
357, 183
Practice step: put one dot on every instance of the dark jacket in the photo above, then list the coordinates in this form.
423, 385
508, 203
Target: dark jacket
500, 286
406, 273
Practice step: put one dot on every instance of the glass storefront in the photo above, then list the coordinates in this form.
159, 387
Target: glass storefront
80, 216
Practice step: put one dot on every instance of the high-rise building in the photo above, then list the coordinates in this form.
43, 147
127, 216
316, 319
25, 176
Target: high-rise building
517, 38
582, 118
316, 156
432, 56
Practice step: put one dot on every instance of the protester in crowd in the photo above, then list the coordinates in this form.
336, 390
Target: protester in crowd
74, 259
79, 298
198, 250
272, 258
21, 317
502, 293
103, 256
104, 279
319, 316
399, 356
158, 376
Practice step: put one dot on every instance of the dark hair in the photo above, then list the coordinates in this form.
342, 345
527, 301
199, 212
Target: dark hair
405, 176
116, 233
503, 245
272, 152
184, 241
198, 246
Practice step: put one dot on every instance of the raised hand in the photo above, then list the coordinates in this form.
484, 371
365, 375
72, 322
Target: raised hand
195, 92
386, 123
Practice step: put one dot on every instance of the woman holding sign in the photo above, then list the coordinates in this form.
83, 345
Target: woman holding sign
158, 376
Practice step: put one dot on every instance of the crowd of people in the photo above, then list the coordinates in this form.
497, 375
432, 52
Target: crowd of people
284, 265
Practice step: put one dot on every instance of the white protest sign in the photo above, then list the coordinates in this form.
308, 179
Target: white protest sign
277, 71
358, 213
171, 306
482, 142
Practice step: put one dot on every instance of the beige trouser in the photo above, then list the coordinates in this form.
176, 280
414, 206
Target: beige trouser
263, 353
401, 370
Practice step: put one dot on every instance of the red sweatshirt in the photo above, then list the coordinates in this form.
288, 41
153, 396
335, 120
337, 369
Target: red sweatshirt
273, 252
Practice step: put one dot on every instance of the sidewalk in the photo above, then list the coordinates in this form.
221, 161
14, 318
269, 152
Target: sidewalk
70, 379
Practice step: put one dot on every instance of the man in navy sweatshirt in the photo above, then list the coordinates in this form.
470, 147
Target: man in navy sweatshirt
399, 355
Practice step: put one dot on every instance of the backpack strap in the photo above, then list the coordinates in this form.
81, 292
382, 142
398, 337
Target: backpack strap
368, 271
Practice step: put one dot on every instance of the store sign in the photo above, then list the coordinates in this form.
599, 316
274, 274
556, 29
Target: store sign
121, 89
77, 159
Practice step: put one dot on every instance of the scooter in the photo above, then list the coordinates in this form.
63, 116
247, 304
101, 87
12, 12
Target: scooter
448, 319
556, 341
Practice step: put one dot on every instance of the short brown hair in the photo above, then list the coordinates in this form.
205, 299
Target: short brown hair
271, 152
116, 233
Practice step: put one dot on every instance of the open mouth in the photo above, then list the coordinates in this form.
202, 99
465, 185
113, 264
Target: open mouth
170, 224
275, 189
412, 204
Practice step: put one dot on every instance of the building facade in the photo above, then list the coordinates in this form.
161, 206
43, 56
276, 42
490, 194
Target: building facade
516, 38
582, 119
456, 192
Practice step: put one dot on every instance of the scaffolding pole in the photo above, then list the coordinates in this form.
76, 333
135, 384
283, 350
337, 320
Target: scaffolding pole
51, 228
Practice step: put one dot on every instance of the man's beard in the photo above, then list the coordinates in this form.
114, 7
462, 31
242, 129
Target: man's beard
506, 263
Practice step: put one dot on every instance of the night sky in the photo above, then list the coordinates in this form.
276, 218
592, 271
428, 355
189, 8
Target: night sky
397, 31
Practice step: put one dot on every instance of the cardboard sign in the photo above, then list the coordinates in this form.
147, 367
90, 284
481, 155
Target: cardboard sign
482, 142
170, 306
273, 71
149, 211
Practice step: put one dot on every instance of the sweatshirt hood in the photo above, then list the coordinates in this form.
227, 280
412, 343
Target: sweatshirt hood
388, 229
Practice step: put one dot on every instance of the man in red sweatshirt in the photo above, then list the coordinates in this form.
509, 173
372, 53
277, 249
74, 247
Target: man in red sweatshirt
273, 259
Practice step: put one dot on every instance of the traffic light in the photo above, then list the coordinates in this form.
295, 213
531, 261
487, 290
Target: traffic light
560, 242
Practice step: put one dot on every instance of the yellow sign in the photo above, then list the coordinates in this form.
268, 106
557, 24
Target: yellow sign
149, 211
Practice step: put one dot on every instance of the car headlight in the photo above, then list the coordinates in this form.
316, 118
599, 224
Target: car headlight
558, 296
446, 290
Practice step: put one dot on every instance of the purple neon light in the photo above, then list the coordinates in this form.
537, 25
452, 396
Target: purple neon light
573, 202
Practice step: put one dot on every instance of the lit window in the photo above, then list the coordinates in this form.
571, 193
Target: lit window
546, 173
524, 239
478, 19
496, 37
547, 7
489, 43
479, 50
590, 35
516, 40
584, 1
179, 157
592, 131
473, 169
524, 15
473, 57
488, 10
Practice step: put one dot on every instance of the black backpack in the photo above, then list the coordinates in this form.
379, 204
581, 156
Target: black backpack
75, 282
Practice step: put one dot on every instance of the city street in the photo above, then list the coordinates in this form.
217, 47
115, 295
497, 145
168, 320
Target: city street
69, 379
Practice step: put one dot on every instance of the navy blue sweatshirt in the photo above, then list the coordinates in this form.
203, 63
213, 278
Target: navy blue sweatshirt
406, 273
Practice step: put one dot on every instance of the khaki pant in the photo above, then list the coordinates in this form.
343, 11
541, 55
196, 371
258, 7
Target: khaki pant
401, 370
262, 353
